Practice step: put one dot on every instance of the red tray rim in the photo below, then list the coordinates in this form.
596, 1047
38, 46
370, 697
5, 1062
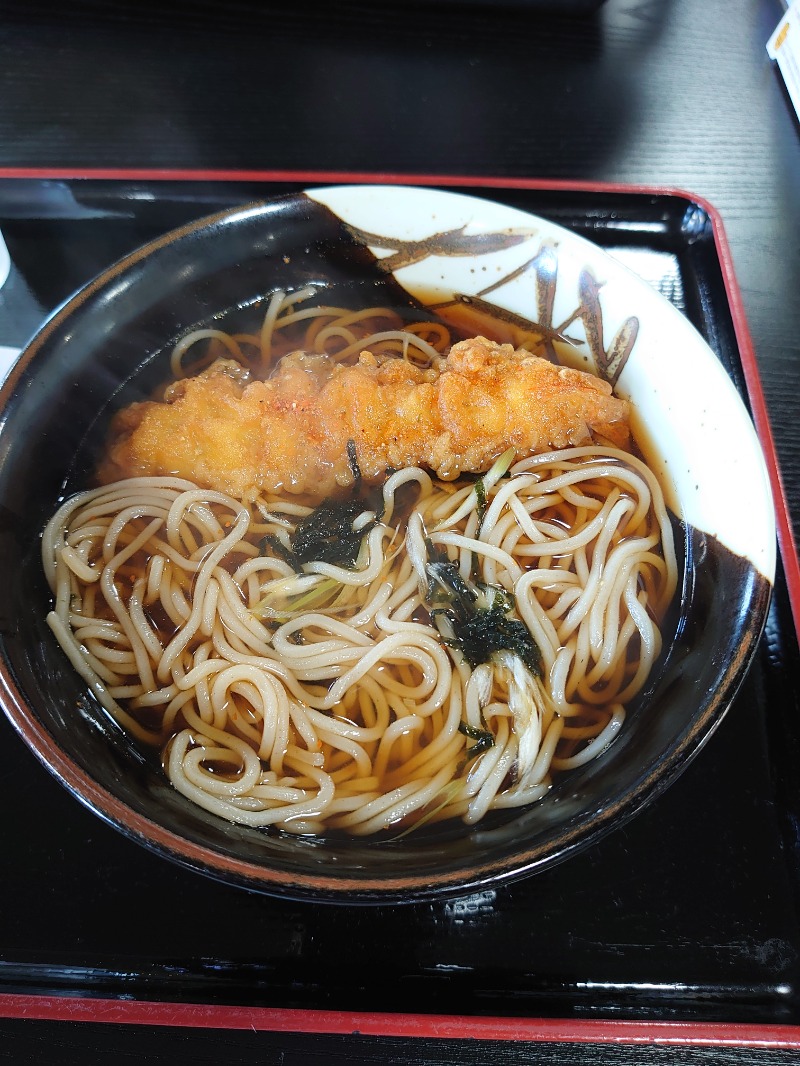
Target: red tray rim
71, 1007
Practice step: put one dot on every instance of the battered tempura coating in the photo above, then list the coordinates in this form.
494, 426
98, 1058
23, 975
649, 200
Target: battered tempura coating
291, 432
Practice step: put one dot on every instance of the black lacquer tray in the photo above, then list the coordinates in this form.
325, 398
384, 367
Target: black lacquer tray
687, 914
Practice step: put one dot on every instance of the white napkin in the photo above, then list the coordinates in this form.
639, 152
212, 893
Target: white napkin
784, 47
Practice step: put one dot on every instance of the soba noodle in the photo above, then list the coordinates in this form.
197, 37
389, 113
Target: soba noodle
320, 695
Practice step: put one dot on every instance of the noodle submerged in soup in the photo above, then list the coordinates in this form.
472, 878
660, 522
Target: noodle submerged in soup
408, 650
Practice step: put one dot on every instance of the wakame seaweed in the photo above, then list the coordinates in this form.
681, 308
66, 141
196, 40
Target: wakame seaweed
490, 629
326, 535
279, 549
484, 739
478, 631
445, 583
352, 462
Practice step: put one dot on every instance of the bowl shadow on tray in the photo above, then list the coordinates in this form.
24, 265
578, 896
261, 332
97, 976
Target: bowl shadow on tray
76, 373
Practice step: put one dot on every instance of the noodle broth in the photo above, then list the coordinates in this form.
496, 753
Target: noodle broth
482, 636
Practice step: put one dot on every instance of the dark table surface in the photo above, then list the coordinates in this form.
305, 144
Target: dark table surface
676, 93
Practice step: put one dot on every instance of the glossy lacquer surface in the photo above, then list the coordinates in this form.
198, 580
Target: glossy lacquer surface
686, 913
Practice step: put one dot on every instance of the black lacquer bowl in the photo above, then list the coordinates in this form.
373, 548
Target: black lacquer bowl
108, 344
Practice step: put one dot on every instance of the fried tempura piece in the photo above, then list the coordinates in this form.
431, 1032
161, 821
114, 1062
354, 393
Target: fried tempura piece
291, 431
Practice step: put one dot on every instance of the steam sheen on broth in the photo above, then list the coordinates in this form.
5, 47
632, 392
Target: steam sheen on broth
407, 650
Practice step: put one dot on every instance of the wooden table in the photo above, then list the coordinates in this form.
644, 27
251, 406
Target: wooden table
674, 93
